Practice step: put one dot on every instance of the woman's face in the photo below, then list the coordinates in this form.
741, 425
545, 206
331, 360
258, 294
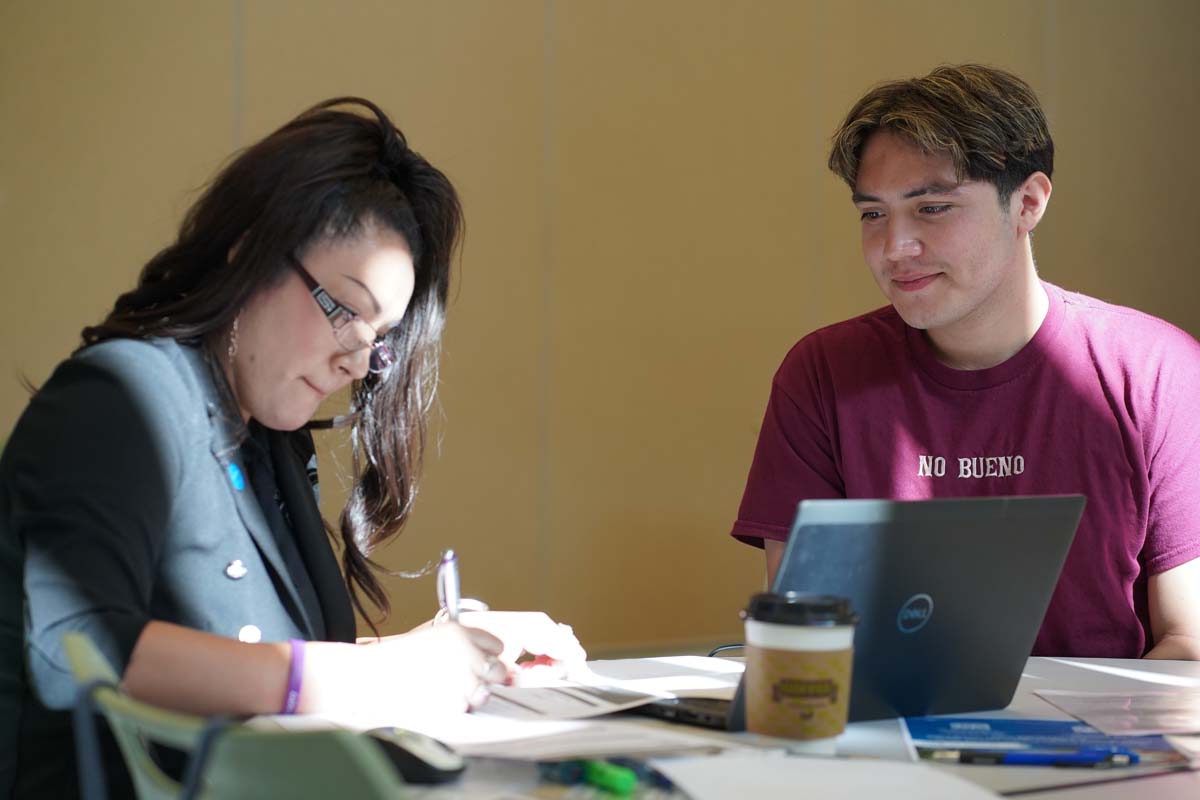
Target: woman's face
288, 359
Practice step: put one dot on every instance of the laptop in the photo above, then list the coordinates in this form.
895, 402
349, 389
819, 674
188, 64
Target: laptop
950, 595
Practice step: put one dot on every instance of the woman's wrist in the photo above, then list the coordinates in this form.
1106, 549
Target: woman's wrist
329, 671
295, 678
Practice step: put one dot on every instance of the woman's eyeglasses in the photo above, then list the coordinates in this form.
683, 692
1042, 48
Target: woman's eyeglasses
351, 331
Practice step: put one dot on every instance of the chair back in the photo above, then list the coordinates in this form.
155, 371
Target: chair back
242, 761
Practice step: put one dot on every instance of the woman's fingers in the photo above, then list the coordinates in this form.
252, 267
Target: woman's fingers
492, 671
529, 632
452, 667
484, 641
442, 668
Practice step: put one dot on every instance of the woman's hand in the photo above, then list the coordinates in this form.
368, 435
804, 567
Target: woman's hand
531, 641
437, 669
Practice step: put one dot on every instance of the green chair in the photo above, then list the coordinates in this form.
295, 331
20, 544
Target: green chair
230, 759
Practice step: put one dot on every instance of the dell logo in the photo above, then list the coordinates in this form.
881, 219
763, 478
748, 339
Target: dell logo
915, 613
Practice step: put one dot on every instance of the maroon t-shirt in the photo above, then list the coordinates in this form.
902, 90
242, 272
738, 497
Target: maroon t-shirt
1104, 401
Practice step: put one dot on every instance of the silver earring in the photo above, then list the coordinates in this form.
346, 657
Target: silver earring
233, 339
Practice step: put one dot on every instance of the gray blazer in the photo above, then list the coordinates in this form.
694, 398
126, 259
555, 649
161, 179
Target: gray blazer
124, 499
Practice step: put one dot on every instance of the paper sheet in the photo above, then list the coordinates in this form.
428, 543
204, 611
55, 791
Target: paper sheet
563, 702
740, 775
1131, 713
682, 672
1187, 745
495, 737
606, 688
550, 722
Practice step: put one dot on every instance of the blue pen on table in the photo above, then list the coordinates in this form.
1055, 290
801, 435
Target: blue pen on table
1091, 758
448, 592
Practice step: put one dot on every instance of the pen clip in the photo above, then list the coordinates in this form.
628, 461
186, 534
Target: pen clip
448, 593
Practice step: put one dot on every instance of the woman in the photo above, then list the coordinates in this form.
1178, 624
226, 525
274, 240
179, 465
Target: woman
154, 493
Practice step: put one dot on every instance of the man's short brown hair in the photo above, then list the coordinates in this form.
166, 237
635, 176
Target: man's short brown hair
987, 121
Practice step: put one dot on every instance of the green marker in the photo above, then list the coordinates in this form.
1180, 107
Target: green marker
610, 777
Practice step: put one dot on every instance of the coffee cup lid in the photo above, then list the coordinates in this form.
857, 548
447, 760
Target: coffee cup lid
795, 608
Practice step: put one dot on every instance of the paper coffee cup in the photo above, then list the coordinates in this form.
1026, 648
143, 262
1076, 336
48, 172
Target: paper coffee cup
799, 658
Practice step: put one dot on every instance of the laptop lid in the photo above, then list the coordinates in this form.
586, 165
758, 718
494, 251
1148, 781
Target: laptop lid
950, 593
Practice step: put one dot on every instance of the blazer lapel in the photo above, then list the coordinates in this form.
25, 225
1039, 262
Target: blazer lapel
225, 445
312, 539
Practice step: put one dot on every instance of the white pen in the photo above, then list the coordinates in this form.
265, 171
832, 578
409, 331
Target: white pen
447, 585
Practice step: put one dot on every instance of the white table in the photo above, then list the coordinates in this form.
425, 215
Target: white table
885, 738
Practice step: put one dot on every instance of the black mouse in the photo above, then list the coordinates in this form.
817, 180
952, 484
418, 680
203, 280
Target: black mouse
417, 757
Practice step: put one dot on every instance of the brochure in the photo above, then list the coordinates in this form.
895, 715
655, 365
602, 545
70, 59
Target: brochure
930, 735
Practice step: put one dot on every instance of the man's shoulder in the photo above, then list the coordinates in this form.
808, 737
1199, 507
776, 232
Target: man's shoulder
868, 335
1121, 329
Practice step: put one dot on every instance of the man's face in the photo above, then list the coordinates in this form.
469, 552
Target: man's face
944, 253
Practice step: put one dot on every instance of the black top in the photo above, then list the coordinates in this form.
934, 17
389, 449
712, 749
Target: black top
260, 471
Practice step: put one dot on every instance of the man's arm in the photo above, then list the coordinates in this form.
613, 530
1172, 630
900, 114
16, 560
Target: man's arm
1174, 598
774, 551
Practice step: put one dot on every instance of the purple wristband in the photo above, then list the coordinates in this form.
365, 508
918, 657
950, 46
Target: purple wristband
291, 700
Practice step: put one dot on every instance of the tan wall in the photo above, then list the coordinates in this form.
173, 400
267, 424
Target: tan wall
650, 227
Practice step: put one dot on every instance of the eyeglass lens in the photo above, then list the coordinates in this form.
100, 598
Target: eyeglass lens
356, 334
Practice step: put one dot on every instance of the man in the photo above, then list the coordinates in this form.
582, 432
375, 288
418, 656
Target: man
980, 379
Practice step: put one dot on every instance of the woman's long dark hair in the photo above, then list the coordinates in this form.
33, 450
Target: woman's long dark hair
324, 175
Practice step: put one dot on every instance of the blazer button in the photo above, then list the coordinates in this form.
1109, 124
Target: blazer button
235, 570
250, 634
